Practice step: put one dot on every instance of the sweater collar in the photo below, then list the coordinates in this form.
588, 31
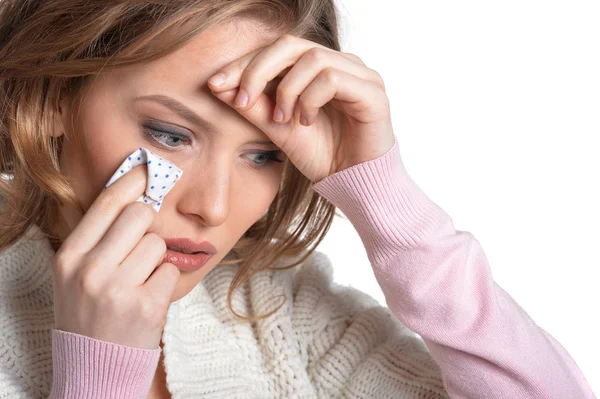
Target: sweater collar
27, 263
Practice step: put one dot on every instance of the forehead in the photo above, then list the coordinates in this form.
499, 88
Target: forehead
201, 57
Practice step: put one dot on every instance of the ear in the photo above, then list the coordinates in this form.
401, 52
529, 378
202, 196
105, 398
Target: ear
60, 115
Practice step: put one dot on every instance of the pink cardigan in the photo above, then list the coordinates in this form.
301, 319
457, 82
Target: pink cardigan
436, 280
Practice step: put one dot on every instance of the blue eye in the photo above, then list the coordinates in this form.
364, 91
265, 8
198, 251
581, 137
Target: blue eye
158, 136
268, 157
170, 141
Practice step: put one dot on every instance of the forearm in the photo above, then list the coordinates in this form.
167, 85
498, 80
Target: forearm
437, 281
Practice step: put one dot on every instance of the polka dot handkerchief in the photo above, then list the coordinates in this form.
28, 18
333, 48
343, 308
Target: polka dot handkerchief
162, 175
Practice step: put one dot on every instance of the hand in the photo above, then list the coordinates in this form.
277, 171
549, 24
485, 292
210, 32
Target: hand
106, 281
353, 125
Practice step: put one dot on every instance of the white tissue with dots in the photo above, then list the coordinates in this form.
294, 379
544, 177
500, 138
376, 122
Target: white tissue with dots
162, 175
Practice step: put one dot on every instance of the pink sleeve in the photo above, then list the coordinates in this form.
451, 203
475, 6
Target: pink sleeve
438, 282
84, 367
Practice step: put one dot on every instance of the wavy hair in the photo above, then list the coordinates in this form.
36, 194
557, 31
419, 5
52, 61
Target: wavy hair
50, 48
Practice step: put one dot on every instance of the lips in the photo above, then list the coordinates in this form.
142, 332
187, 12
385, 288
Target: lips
186, 262
183, 252
187, 254
185, 245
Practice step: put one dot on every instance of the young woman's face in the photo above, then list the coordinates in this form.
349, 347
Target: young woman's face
227, 183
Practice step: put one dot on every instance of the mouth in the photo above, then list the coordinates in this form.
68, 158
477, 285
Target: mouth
175, 249
184, 245
187, 262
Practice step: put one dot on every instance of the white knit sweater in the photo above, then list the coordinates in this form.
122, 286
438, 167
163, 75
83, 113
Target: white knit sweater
327, 341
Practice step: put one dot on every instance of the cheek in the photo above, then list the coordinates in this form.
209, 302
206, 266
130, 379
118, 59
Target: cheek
98, 167
101, 146
253, 200
91, 161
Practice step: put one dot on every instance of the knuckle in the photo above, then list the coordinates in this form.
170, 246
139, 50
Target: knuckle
107, 202
152, 311
317, 55
89, 280
286, 39
115, 295
330, 76
141, 211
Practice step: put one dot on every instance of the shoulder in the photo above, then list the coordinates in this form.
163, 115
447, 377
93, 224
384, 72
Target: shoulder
353, 344
26, 316
317, 298
26, 266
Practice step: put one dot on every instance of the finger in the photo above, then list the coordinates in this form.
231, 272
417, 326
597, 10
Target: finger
105, 209
308, 67
267, 64
162, 283
260, 116
141, 262
359, 97
282, 53
123, 236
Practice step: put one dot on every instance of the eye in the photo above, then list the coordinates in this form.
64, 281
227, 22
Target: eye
165, 138
267, 158
172, 140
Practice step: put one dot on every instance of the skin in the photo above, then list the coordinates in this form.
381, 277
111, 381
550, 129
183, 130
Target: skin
227, 185
221, 194
222, 191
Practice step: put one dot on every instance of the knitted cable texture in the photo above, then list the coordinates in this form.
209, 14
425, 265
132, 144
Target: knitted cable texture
327, 341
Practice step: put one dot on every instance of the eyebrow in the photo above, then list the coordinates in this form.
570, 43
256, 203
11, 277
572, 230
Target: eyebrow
190, 115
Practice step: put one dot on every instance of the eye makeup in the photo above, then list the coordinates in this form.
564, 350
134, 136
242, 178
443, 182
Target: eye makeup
157, 132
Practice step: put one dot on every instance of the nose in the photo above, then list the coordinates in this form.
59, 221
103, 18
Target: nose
204, 192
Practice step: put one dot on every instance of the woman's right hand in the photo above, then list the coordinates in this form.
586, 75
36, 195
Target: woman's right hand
106, 281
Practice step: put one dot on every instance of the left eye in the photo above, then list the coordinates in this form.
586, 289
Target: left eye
159, 134
268, 157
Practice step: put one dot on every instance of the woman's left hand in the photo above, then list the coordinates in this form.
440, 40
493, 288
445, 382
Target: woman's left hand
344, 102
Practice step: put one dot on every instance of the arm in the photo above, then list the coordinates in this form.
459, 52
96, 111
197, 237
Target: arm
85, 367
437, 281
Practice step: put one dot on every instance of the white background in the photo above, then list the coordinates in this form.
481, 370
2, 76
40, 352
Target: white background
496, 106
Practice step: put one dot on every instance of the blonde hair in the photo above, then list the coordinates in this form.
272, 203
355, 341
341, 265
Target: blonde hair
49, 48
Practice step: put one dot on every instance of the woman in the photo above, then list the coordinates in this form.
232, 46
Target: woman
98, 298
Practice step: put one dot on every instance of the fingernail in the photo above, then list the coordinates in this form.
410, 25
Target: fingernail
217, 80
303, 120
241, 99
278, 114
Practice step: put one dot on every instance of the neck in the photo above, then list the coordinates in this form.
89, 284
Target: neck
58, 233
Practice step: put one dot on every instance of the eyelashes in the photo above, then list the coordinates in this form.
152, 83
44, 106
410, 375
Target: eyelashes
155, 131
158, 134
271, 157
